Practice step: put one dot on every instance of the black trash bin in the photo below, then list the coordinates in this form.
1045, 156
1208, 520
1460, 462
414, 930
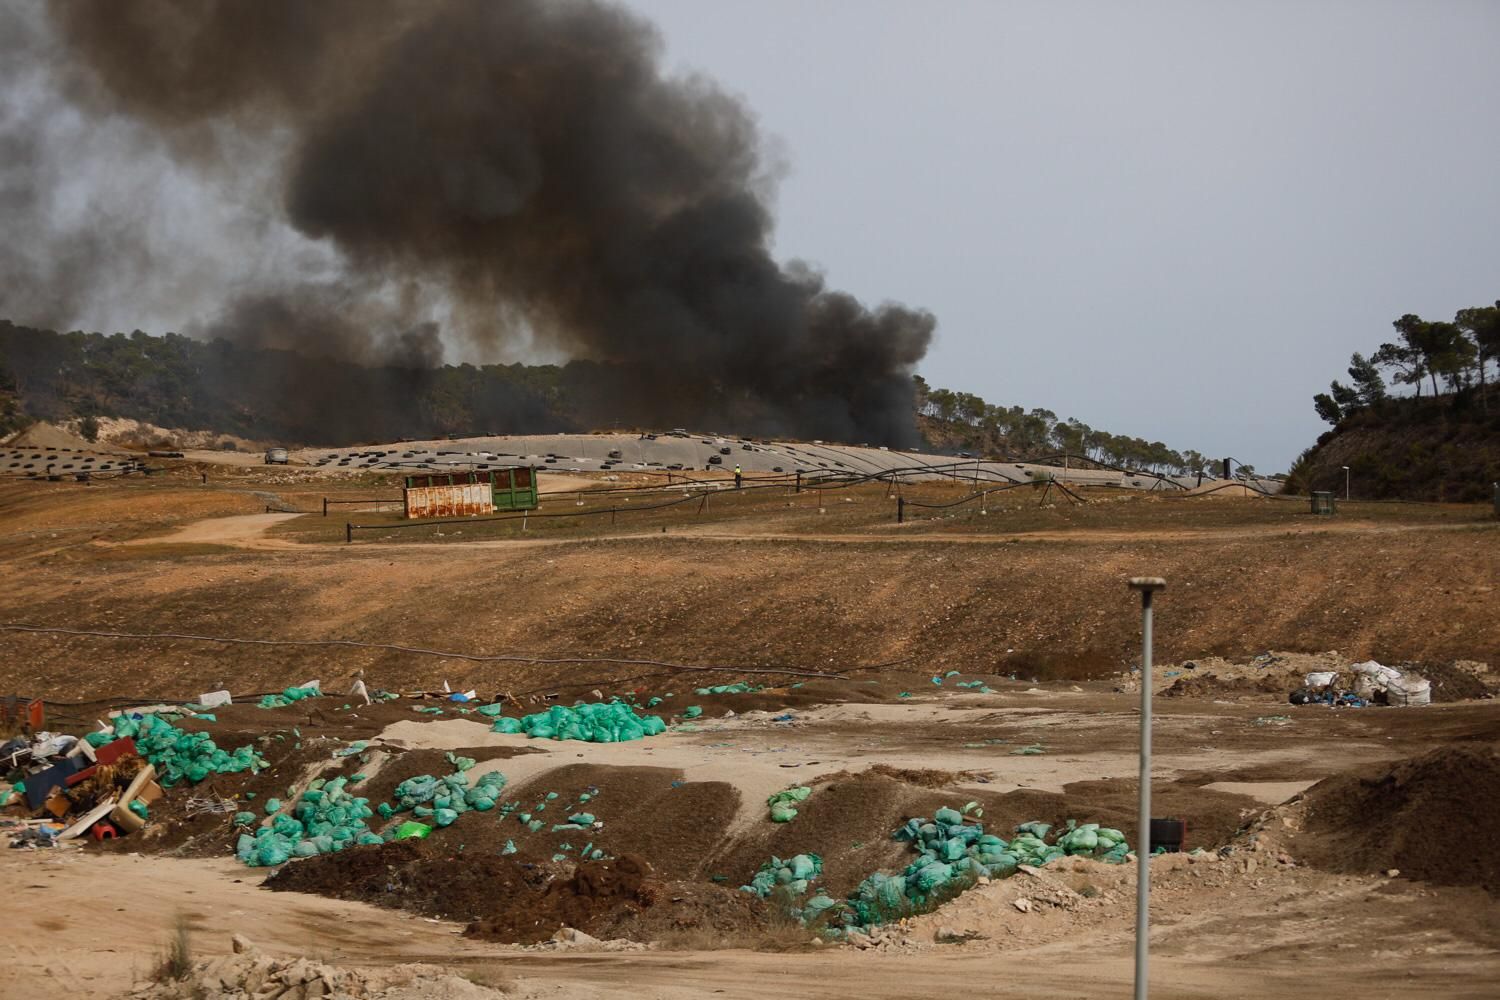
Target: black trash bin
1168, 834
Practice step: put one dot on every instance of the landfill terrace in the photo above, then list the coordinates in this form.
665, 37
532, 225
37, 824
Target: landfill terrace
873, 737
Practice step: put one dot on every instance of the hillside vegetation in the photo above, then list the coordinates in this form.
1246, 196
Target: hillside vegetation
267, 394
953, 421
263, 394
1428, 448
1440, 443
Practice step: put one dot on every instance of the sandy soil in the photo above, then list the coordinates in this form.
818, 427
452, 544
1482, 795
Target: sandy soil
1208, 942
242, 530
1037, 611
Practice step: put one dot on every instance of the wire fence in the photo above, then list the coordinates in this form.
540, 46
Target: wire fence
821, 480
524, 517
824, 483
982, 497
377, 501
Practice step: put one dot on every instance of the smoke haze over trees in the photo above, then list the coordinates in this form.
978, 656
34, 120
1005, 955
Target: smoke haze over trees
393, 182
228, 388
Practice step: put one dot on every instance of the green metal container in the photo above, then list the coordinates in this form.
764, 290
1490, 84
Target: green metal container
465, 494
515, 488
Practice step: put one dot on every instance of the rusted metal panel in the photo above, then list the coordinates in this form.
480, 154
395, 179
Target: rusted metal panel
449, 501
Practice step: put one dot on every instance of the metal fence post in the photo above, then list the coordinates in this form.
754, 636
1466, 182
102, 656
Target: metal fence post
900, 510
799, 480
1147, 585
348, 533
325, 506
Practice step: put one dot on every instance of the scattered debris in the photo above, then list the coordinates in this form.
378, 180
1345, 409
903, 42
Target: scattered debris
248, 972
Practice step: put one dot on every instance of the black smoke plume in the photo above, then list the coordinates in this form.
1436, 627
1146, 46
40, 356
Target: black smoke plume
520, 170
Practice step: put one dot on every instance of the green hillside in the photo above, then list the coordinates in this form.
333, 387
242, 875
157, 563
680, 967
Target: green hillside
1441, 442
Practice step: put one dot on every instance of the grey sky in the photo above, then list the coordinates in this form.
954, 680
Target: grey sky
1172, 220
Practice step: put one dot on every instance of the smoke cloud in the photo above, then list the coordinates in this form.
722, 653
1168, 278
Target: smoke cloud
518, 172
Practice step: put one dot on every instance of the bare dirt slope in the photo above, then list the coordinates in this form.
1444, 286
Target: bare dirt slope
1215, 933
864, 621
1425, 592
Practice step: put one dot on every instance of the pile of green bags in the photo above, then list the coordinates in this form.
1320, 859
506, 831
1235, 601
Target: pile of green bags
325, 819
443, 799
796, 874
289, 696
599, 722
952, 854
1094, 841
740, 687
782, 808
180, 756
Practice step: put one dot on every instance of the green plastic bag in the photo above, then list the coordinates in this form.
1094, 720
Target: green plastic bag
948, 817
411, 828
782, 808
270, 854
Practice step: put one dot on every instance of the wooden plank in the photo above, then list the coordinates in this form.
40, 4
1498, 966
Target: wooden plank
91, 817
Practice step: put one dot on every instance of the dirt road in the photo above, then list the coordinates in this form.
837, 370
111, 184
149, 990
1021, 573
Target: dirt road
86, 927
241, 530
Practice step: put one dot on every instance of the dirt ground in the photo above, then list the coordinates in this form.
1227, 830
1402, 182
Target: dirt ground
846, 626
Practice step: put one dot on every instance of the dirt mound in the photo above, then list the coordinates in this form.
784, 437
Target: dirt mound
522, 899
596, 888
847, 821
1212, 686
1452, 681
1037, 665
924, 777
646, 811
416, 876
45, 435
249, 972
695, 915
1435, 817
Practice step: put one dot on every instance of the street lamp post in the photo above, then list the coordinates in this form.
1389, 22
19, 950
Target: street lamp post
1147, 585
